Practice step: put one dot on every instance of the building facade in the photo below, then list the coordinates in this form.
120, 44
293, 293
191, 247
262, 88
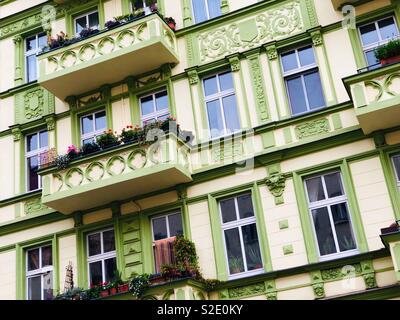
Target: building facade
291, 170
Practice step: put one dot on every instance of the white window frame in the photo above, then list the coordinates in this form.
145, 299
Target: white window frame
205, 4
239, 223
95, 133
370, 47
167, 215
102, 256
40, 271
301, 71
394, 168
30, 154
220, 95
86, 15
32, 52
327, 203
155, 114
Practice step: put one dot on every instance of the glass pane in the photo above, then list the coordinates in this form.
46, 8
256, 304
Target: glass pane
87, 124
306, 56
226, 81
199, 10
215, 118
371, 59
234, 251
369, 34
314, 90
100, 121
296, 95
80, 24
31, 68
323, 230
33, 178
35, 288
333, 185
315, 189
210, 86
47, 259
33, 259
108, 241
396, 162
230, 113
175, 225
94, 241
251, 247
43, 139
42, 40
32, 142
48, 286
30, 43
138, 4
160, 228
147, 105
95, 273
245, 206
214, 8
87, 141
343, 228
110, 266
161, 101
387, 28
289, 61
94, 20
228, 210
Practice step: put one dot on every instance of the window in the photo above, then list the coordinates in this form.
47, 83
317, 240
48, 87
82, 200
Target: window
376, 34
92, 125
141, 4
86, 21
39, 273
154, 107
239, 229
206, 9
221, 105
102, 263
396, 165
165, 228
303, 83
36, 146
330, 215
33, 46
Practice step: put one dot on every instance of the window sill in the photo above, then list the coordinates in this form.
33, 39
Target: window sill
336, 256
246, 274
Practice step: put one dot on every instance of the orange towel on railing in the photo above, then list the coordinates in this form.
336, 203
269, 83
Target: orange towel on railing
164, 252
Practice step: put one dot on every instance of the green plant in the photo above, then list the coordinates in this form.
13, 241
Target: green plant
130, 134
169, 271
89, 148
185, 254
107, 139
138, 284
389, 50
71, 294
210, 284
235, 264
62, 161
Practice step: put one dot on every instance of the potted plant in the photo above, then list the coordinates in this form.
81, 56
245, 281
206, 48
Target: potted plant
89, 148
87, 32
93, 292
170, 272
169, 125
104, 289
171, 22
130, 134
72, 152
107, 140
389, 53
62, 161
112, 23
137, 13
235, 264
138, 284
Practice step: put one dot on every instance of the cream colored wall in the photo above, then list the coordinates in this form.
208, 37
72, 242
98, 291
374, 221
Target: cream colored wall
304, 293
173, 8
121, 114
7, 167
97, 216
63, 135
66, 254
7, 213
112, 8
202, 237
277, 238
6, 112
344, 286
8, 275
238, 4
373, 199
183, 105
7, 69
17, 6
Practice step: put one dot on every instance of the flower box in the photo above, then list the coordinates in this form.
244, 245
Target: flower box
390, 60
123, 288
104, 293
113, 291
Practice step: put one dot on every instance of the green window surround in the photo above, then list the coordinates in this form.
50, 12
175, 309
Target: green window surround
307, 224
21, 250
217, 233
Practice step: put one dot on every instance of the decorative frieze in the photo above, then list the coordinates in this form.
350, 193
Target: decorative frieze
317, 284
276, 185
312, 128
251, 290
33, 206
341, 272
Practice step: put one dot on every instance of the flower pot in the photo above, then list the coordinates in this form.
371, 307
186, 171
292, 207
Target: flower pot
390, 60
113, 291
172, 25
123, 288
104, 293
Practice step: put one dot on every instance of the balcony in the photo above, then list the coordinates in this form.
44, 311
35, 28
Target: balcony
376, 97
390, 237
109, 56
116, 174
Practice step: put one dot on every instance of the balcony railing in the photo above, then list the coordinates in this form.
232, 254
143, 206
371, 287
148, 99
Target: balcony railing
109, 56
376, 97
116, 174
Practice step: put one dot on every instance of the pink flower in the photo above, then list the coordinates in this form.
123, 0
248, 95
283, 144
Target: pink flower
72, 148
